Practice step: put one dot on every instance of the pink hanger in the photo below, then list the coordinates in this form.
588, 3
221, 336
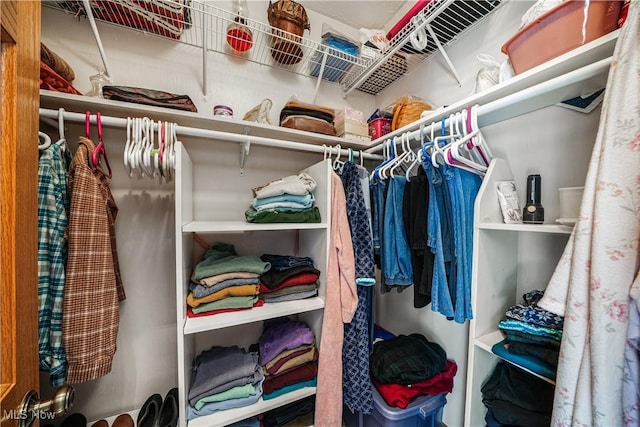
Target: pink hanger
99, 150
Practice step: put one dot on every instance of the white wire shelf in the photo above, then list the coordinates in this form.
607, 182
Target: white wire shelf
448, 20
200, 24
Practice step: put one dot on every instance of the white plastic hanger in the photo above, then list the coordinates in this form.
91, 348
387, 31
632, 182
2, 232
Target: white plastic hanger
158, 154
479, 143
147, 147
387, 155
405, 158
452, 151
62, 140
338, 164
127, 145
44, 141
169, 155
437, 150
393, 150
135, 146
417, 155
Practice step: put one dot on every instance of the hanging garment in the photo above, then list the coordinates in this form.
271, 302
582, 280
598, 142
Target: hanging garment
378, 195
356, 384
414, 212
440, 295
53, 211
463, 188
340, 306
365, 185
358, 224
93, 286
600, 262
396, 261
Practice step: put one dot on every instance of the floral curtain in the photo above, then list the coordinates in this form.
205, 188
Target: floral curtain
592, 281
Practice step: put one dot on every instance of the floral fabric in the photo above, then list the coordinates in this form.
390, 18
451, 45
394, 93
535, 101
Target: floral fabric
591, 284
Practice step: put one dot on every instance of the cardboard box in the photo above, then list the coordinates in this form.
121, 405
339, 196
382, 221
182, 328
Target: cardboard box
360, 139
348, 113
351, 126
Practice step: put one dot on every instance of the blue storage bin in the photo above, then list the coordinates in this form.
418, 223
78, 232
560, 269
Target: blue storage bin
341, 54
424, 411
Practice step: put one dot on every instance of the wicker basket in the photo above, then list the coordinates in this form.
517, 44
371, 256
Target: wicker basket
407, 110
288, 20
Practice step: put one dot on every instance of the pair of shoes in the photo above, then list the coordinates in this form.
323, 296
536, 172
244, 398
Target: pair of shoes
122, 420
158, 413
75, 420
168, 416
149, 412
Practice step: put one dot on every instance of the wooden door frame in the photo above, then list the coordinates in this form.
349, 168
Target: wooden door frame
20, 23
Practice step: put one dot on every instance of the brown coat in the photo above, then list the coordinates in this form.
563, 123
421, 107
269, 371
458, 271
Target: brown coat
93, 286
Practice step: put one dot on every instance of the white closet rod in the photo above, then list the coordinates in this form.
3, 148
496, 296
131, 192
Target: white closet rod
213, 134
522, 102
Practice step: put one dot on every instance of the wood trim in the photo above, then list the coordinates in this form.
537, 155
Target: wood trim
20, 68
9, 18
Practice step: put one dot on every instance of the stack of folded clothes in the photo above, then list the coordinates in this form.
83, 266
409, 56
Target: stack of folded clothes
289, 278
224, 378
533, 336
294, 414
224, 281
308, 117
288, 356
288, 199
514, 397
408, 366
55, 73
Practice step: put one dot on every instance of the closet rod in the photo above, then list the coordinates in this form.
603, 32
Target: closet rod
213, 134
522, 102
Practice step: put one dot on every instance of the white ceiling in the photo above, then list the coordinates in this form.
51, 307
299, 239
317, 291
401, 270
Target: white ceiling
373, 14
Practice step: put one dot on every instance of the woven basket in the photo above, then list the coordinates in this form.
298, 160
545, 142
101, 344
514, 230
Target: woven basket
288, 20
407, 111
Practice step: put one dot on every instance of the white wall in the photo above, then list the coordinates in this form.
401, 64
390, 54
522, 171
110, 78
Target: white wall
145, 362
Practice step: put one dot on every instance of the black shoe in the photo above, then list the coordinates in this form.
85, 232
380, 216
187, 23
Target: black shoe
75, 420
150, 411
169, 411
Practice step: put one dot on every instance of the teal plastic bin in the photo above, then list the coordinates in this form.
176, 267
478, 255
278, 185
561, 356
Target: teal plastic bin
424, 411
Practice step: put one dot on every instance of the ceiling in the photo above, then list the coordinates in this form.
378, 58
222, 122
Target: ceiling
373, 14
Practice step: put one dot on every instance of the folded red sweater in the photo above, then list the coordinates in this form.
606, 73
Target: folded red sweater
299, 279
400, 396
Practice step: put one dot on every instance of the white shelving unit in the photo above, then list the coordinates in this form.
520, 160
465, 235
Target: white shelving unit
241, 328
508, 261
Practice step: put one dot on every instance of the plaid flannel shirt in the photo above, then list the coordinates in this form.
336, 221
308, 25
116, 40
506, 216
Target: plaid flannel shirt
53, 208
93, 287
